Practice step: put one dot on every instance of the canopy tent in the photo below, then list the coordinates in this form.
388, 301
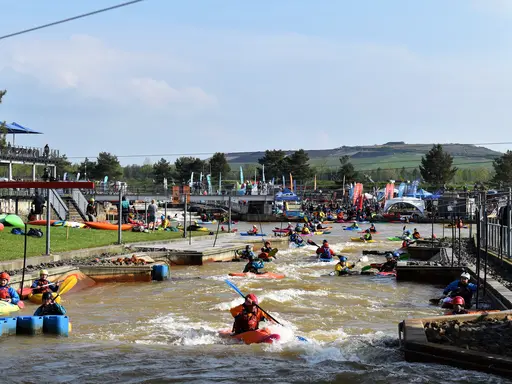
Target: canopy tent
421, 193
286, 195
412, 202
18, 129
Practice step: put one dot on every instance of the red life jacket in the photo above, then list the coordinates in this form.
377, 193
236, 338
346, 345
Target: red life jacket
43, 289
245, 322
4, 292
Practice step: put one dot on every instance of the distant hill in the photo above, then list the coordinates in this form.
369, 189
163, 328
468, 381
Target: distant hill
389, 155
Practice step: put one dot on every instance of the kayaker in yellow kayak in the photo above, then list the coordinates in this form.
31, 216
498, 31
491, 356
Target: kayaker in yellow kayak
367, 236
342, 268
49, 307
247, 315
7, 293
42, 284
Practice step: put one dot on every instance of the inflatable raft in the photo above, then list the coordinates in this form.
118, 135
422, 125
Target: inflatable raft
252, 337
108, 226
359, 240
266, 275
7, 308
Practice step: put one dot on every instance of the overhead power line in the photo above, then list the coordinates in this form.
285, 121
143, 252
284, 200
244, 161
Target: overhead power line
70, 19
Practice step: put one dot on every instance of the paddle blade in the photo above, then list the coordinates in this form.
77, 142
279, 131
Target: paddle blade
21, 304
303, 339
311, 242
69, 282
273, 252
366, 268
232, 285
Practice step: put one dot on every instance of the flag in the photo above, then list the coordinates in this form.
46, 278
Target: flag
201, 178
209, 180
401, 189
191, 180
291, 182
294, 185
241, 175
263, 173
284, 182
220, 181
314, 186
78, 176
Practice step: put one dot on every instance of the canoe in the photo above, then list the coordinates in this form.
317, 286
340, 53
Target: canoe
266, 275
41, 222
108, 226
252, 337
359, 240
386, 274
7, 308
252, 234
37, 298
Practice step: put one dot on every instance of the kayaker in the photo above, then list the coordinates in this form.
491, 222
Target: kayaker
298, 228
458, 304
389, 265
254, 230
342, 268
461, 287
305, 230
354, 225
7, 293
254, 265
367, 236
247, 315
372, 228
265, 251
324, 251
247, 252
406, 242
406, 233
41, 285
49, 307
267, 248
416, 235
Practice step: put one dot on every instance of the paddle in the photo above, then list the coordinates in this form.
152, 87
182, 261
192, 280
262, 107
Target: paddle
232, 285
69, 282
311, 242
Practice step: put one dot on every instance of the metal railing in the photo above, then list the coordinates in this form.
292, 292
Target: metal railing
58, 205
28, 154
498, 237
80, 201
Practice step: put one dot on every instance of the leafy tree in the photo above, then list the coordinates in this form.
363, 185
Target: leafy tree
87, 169
436, 166
107, 165
63, 165
275, 163
346, 171
297, 164
415, 174
219, 164
162, 170
503, 168
185, 166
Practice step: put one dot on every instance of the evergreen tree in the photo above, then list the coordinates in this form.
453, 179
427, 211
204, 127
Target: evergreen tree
503, 168
162, 170
346, 171
436, 166
275, 164
107, 165
219, 164
87, 169
297, 165
185, 166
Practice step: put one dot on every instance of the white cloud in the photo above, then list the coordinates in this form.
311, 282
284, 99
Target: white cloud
97, 70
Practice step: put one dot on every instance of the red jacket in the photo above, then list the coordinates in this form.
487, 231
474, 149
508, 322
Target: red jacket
323, 251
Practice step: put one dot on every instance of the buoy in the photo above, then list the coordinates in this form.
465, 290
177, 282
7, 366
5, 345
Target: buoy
56, 325
29, 325
1, 227
160, 272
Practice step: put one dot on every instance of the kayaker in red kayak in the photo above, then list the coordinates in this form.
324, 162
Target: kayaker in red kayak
254, 265
49, 307
324, 251
389, 265
6, 292
247, 315
38, 285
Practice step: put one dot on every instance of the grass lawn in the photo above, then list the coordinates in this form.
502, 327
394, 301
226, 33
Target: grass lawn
11, 246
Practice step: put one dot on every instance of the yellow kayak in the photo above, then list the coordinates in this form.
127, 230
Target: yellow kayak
7, 308
359, 240
37, 298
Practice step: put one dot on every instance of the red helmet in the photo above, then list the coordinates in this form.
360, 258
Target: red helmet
5, 275
458, 300
252, 298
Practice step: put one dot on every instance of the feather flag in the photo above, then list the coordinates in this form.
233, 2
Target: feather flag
241, 175
201, 178
263, 173
314, 186
220, 181
291, 182
284, 182
209, 180
191, 180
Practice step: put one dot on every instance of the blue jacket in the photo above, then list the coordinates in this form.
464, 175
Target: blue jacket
12, 294
53, 287
49, 310
455, 284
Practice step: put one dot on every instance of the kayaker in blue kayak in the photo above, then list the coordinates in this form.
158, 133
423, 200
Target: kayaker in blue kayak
41, 285
255, 265
7, 293
247, 315
324, 252
49, 307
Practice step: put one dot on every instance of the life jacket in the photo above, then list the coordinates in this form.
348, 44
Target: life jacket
388, 266
326, 253
246, 321
43, 289
367, 236
4, 292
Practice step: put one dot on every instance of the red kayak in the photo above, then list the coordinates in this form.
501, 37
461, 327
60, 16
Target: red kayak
280, 230
386, 274
251, 337
266, 275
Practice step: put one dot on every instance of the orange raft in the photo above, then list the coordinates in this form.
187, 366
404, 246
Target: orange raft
107, 226
251, 337
266, 275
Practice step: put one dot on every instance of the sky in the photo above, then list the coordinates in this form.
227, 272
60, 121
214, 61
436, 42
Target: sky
169, 77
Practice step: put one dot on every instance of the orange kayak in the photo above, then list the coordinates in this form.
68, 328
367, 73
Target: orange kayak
41, 222
108, 226
251, 337
266, 275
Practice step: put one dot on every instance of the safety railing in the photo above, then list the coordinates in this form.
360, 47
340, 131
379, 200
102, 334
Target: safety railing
80, 201
28, 154
498, 237
58, 205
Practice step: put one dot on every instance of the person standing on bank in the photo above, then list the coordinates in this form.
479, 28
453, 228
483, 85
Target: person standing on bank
38, 205
125, 209
152, 209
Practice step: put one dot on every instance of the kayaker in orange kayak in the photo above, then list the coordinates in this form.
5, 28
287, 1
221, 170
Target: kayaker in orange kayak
6, 292
49, 307
247, 315
254, 265
41, 285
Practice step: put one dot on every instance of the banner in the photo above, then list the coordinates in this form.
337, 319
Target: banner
209, 181
263, 173
314, 185
241, 175
191, 184
220, 181
284, 182
201, 179
294, 185
414, 187
291, 182
389, 192
358, 192
77, 178
401, 189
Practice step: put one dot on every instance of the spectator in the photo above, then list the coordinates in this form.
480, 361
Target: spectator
46, 151
37, 206
125, 209
152, 209
91, 211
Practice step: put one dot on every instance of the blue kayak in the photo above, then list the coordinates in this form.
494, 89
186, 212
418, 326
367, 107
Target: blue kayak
325, 260
352, 229
252, 234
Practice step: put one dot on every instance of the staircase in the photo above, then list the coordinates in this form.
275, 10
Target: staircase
73, 213
57, 203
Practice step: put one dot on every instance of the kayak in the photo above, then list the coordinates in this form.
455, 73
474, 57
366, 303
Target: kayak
37, 298
327, 222
198, 229
41, 222
299, 245
71, 224
252, 337
451, 226
252, 234
386, 274
266, 275
280, 230
351, 229
7, 308
325, 260
373, 233
359, 240
207, 222
395, 238
324, 229
107, 226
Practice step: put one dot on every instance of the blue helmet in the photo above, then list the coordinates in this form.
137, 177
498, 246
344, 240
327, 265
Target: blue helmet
396, 254
342, 258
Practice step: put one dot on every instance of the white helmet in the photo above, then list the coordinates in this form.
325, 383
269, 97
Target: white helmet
465, 275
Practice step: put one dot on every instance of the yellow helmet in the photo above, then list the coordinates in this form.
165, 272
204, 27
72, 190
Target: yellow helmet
43, 272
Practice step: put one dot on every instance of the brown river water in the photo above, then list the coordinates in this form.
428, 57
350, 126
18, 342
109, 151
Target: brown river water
166, 332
